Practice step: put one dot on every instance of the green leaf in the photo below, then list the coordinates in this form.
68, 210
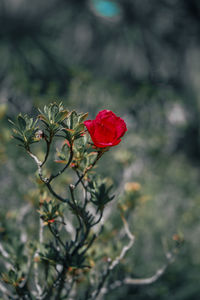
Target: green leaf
73, 119
68, 134
63, 115
18, 138
9, 120
21, 122
82, 117
79, 128
54, 109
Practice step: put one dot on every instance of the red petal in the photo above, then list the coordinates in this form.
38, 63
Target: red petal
89, 125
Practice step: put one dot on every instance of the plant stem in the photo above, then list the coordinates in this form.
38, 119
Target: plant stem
65, 167
100, 153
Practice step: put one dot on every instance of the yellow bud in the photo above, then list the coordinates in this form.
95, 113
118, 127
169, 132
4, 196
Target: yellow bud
92, 263
132, 187
122, 207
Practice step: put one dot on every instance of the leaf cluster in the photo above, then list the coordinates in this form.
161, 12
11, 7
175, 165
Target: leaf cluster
24, 130
13, 277
52, 116
55, 120
49, 211
99, 190
50, 254
84, 214
73, 127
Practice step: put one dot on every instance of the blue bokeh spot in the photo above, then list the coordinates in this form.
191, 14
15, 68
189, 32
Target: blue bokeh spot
106, 8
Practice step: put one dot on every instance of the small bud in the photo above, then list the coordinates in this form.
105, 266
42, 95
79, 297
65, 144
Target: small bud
51, 221
36, 258
15, 284
39, 135
177, 238
73, 165
70, 269
123, 207
132, 187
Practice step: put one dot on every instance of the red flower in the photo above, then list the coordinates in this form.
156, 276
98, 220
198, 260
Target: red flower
106, 130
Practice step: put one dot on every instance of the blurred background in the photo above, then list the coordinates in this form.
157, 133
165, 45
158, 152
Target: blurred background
140, 59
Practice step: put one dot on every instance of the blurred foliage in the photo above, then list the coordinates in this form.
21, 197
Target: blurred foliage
143, 63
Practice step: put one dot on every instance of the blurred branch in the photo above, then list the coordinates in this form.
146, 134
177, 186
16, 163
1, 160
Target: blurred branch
126, 247
112, 264
6, 257
36, 260
140, 281
3, 251
148, 280
23, 213
6, 293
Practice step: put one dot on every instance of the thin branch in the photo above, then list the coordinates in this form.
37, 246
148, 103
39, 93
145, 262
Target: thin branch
99, 219
48, 143
99, 154
71, 188
61, 280
149, 280
36, 257
65, 167
126, 247
56, 235
69, 290
39, 165
140, 281
114, 263
23, 213
84, 189
98, 290
46, 180
55, 194
81, 243
81, 180
77, 235
89, 244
